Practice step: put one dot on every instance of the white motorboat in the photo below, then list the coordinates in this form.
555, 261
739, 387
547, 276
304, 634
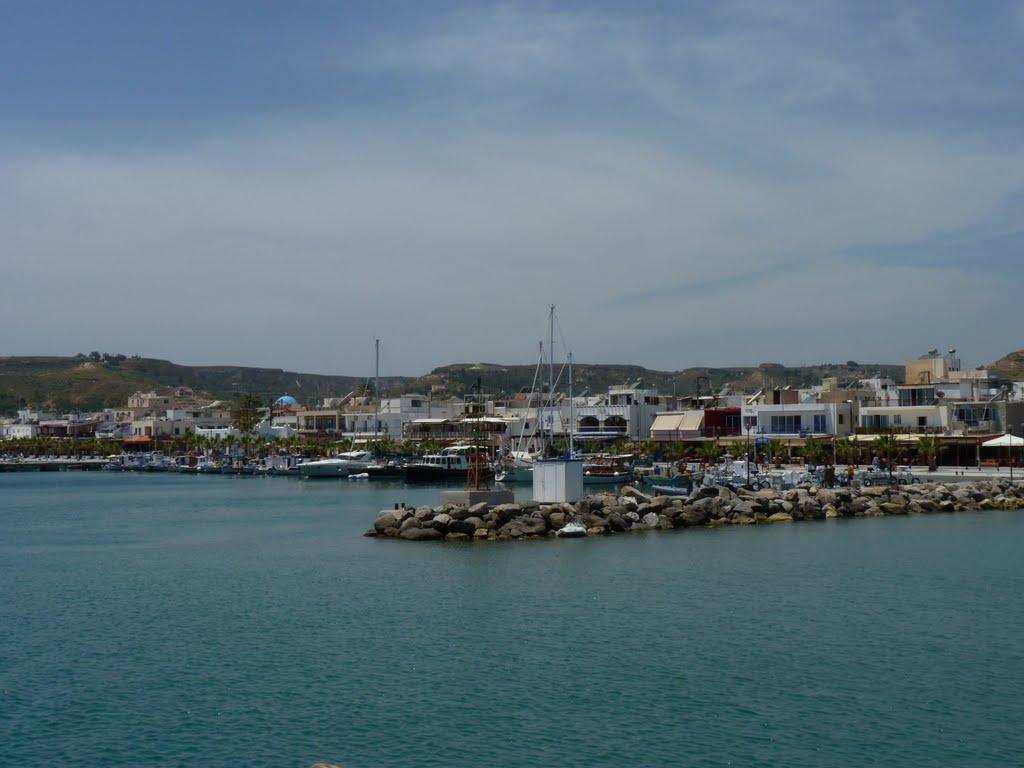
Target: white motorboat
344, 464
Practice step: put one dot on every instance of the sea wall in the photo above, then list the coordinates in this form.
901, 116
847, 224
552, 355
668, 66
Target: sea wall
630, 510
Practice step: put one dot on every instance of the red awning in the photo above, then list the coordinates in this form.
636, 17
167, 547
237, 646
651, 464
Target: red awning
138, 439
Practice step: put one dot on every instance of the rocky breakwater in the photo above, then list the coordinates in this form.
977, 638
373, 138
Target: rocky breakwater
631, 510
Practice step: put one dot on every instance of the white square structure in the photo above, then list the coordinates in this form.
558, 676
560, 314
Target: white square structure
558, 480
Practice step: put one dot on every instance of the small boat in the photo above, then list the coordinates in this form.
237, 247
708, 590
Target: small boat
680, 484
608, 470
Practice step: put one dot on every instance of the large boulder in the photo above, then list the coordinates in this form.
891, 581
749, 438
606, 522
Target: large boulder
441, 522
387, 520
505, 512
618, 524
461, 526
745, 507
421, 534
409, 522
825, 496
526, 526
630, 492
694, 515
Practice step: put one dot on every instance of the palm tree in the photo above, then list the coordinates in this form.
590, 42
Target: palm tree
429, 446
386, 445
848, 451
928, 450
709, 452
815, 452
887, 445
777, 450
673, 451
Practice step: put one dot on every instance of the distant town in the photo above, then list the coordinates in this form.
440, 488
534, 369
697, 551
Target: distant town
952, 409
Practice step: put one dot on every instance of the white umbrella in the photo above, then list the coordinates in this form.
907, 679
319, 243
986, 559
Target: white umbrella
1004, 441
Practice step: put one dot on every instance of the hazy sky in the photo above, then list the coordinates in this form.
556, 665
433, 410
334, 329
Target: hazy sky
690, 183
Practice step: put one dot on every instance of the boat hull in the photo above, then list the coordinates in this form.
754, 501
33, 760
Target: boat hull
319, 471
428, 474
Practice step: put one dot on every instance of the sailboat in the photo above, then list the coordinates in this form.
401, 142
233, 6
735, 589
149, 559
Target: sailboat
517, 465
575, 528
379, 467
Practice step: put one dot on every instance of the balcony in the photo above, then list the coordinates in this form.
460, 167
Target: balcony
978, 426
900, 430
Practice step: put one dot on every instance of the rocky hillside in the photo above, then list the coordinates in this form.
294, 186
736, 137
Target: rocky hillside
92, 382
692, 381
86, 383
1010, 366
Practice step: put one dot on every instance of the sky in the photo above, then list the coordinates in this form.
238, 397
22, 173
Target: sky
278, 184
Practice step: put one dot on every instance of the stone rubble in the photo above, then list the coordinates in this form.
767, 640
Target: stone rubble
631, 510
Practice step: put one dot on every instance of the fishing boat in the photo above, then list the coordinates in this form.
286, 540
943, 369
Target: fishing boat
451, 463
608, 470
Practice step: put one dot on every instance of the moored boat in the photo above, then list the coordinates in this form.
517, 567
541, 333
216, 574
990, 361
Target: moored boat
608, 470
451, 463
341, 465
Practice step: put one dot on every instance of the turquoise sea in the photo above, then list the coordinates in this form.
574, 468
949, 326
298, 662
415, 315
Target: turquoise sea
166, 620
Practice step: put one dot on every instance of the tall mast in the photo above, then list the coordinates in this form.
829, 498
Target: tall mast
376, 393
572, 418
551, 369
540, 400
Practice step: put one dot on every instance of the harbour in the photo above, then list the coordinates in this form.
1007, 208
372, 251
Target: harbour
164, 620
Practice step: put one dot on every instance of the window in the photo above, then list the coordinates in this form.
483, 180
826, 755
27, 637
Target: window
785, 424
820, 424
874, 422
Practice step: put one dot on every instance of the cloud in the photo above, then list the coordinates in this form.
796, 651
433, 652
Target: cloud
704, 190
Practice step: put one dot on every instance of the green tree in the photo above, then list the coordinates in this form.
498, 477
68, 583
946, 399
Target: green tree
848, 451
778, 451
888, 446
246, 412
429, 446
815, 452
709, 452
928, 450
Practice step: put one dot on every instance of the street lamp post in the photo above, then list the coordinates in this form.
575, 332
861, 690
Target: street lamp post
1009, 449
747, 457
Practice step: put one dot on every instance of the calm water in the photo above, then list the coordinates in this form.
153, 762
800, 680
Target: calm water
151, 620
